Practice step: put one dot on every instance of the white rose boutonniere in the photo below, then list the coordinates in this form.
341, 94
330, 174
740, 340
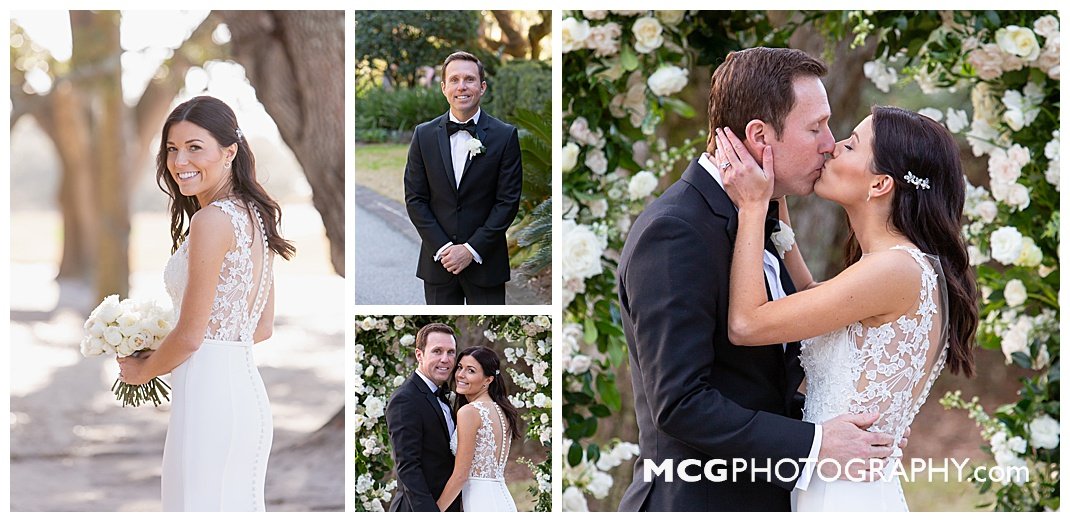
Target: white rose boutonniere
475, 148
783, 239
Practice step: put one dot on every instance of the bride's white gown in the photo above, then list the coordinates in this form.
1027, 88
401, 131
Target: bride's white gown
219, 435
887, 369
485, 489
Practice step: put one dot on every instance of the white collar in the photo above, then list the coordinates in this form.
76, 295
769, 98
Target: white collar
430, 384
475, 119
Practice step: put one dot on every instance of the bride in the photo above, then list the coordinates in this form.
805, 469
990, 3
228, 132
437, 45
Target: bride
881, 331
219, 278
486, 425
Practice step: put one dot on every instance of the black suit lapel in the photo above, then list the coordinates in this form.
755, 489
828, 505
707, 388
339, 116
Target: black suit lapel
481, 135
433, 401
445, 151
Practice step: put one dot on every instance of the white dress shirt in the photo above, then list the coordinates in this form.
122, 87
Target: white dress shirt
771, 267
445, 408
459, 154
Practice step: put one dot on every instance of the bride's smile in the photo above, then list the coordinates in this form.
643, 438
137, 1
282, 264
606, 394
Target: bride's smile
195, 160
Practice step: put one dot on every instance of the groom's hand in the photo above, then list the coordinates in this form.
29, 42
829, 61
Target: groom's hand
844, 439
456, 259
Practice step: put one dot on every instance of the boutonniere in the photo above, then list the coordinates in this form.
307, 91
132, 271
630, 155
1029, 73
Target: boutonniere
475, 148
783, 239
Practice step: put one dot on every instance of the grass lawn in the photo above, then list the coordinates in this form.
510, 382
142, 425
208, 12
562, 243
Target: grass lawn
381, 167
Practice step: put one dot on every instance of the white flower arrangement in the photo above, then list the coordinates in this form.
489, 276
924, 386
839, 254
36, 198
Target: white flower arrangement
475, 148
122, 329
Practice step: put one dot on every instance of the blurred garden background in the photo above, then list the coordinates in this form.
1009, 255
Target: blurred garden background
398, 74
635, 91
89, 94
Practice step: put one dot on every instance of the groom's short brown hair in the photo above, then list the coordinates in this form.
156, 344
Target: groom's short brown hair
428, 329
757, 84
465, 57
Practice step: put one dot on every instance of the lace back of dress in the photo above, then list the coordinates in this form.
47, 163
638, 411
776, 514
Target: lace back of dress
899, 361
492, 443
244, 279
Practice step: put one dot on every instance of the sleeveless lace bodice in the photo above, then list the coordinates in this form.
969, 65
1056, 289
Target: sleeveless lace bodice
887, 369
492, 444
242, 291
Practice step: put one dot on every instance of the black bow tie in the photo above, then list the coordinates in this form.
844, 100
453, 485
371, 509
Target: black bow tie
452, 127
441, 394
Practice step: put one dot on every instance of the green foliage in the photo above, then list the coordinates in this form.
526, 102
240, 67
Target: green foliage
410, 39
400, 110
515, 85
531, 245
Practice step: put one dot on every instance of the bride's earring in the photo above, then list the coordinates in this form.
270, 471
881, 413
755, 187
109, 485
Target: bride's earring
226, 165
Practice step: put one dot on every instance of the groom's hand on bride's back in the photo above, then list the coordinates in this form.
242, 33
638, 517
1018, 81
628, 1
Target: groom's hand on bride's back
844, 439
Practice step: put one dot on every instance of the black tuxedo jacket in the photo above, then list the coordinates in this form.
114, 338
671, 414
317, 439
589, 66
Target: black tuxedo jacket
421, 447
478, 212
697, 396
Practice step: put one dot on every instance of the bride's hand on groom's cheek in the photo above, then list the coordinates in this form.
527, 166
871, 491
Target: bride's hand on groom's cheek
746, 182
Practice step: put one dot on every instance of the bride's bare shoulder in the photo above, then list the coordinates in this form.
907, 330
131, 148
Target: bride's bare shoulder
210, 227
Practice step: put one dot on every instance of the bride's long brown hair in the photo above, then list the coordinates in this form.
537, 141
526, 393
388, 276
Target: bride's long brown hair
218, 119
931, 217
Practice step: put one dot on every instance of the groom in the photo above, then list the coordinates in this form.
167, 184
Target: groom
420, 423
698, 397
462, 190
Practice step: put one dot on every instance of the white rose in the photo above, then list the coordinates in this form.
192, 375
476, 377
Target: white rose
987, 60
540, 400
1018, 41
595, 15
399, 380
399, 322
1006, 245
368, 324
1017, 196
113, 336
667, 80
670, 17
543, 321
93, 346
108, 309
129, 323
373, 407
95, 327
642, 184
1052, 174
574, 34
580, 132
573, 500
957, 120
600, 484
126, 347
604, 39
364, 483
933, 113
977, 257
647, 32
983, 138
598, 208
1046, 25
407, 340
596, 161
880, 74
1014, 292
579, 364
1016, 444
1044, 432
1016, 339
987, 211
1031, 254
570, 154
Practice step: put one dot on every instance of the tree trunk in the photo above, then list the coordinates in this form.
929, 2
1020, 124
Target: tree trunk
295, 60
538, 31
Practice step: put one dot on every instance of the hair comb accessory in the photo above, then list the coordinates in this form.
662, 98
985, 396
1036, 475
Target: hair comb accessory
921, 183
241, 136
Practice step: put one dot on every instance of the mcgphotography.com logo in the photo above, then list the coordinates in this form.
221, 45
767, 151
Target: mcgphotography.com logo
856, 470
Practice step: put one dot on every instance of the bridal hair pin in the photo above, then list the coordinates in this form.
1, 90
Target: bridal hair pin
921, 183
241, 136
497, 372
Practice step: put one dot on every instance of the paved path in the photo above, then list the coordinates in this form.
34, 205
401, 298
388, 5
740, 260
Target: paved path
387, 246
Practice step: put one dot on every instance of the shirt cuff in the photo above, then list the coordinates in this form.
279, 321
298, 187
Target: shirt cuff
811, 461
442, 250
475, 255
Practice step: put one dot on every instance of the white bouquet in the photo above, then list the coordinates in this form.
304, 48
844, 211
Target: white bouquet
123, 329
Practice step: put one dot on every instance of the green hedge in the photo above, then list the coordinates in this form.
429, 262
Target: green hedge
398, 110
518, 84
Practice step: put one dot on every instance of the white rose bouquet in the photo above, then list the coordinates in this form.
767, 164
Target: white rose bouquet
124, 329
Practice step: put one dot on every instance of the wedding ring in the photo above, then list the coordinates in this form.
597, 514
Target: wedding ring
725, 165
